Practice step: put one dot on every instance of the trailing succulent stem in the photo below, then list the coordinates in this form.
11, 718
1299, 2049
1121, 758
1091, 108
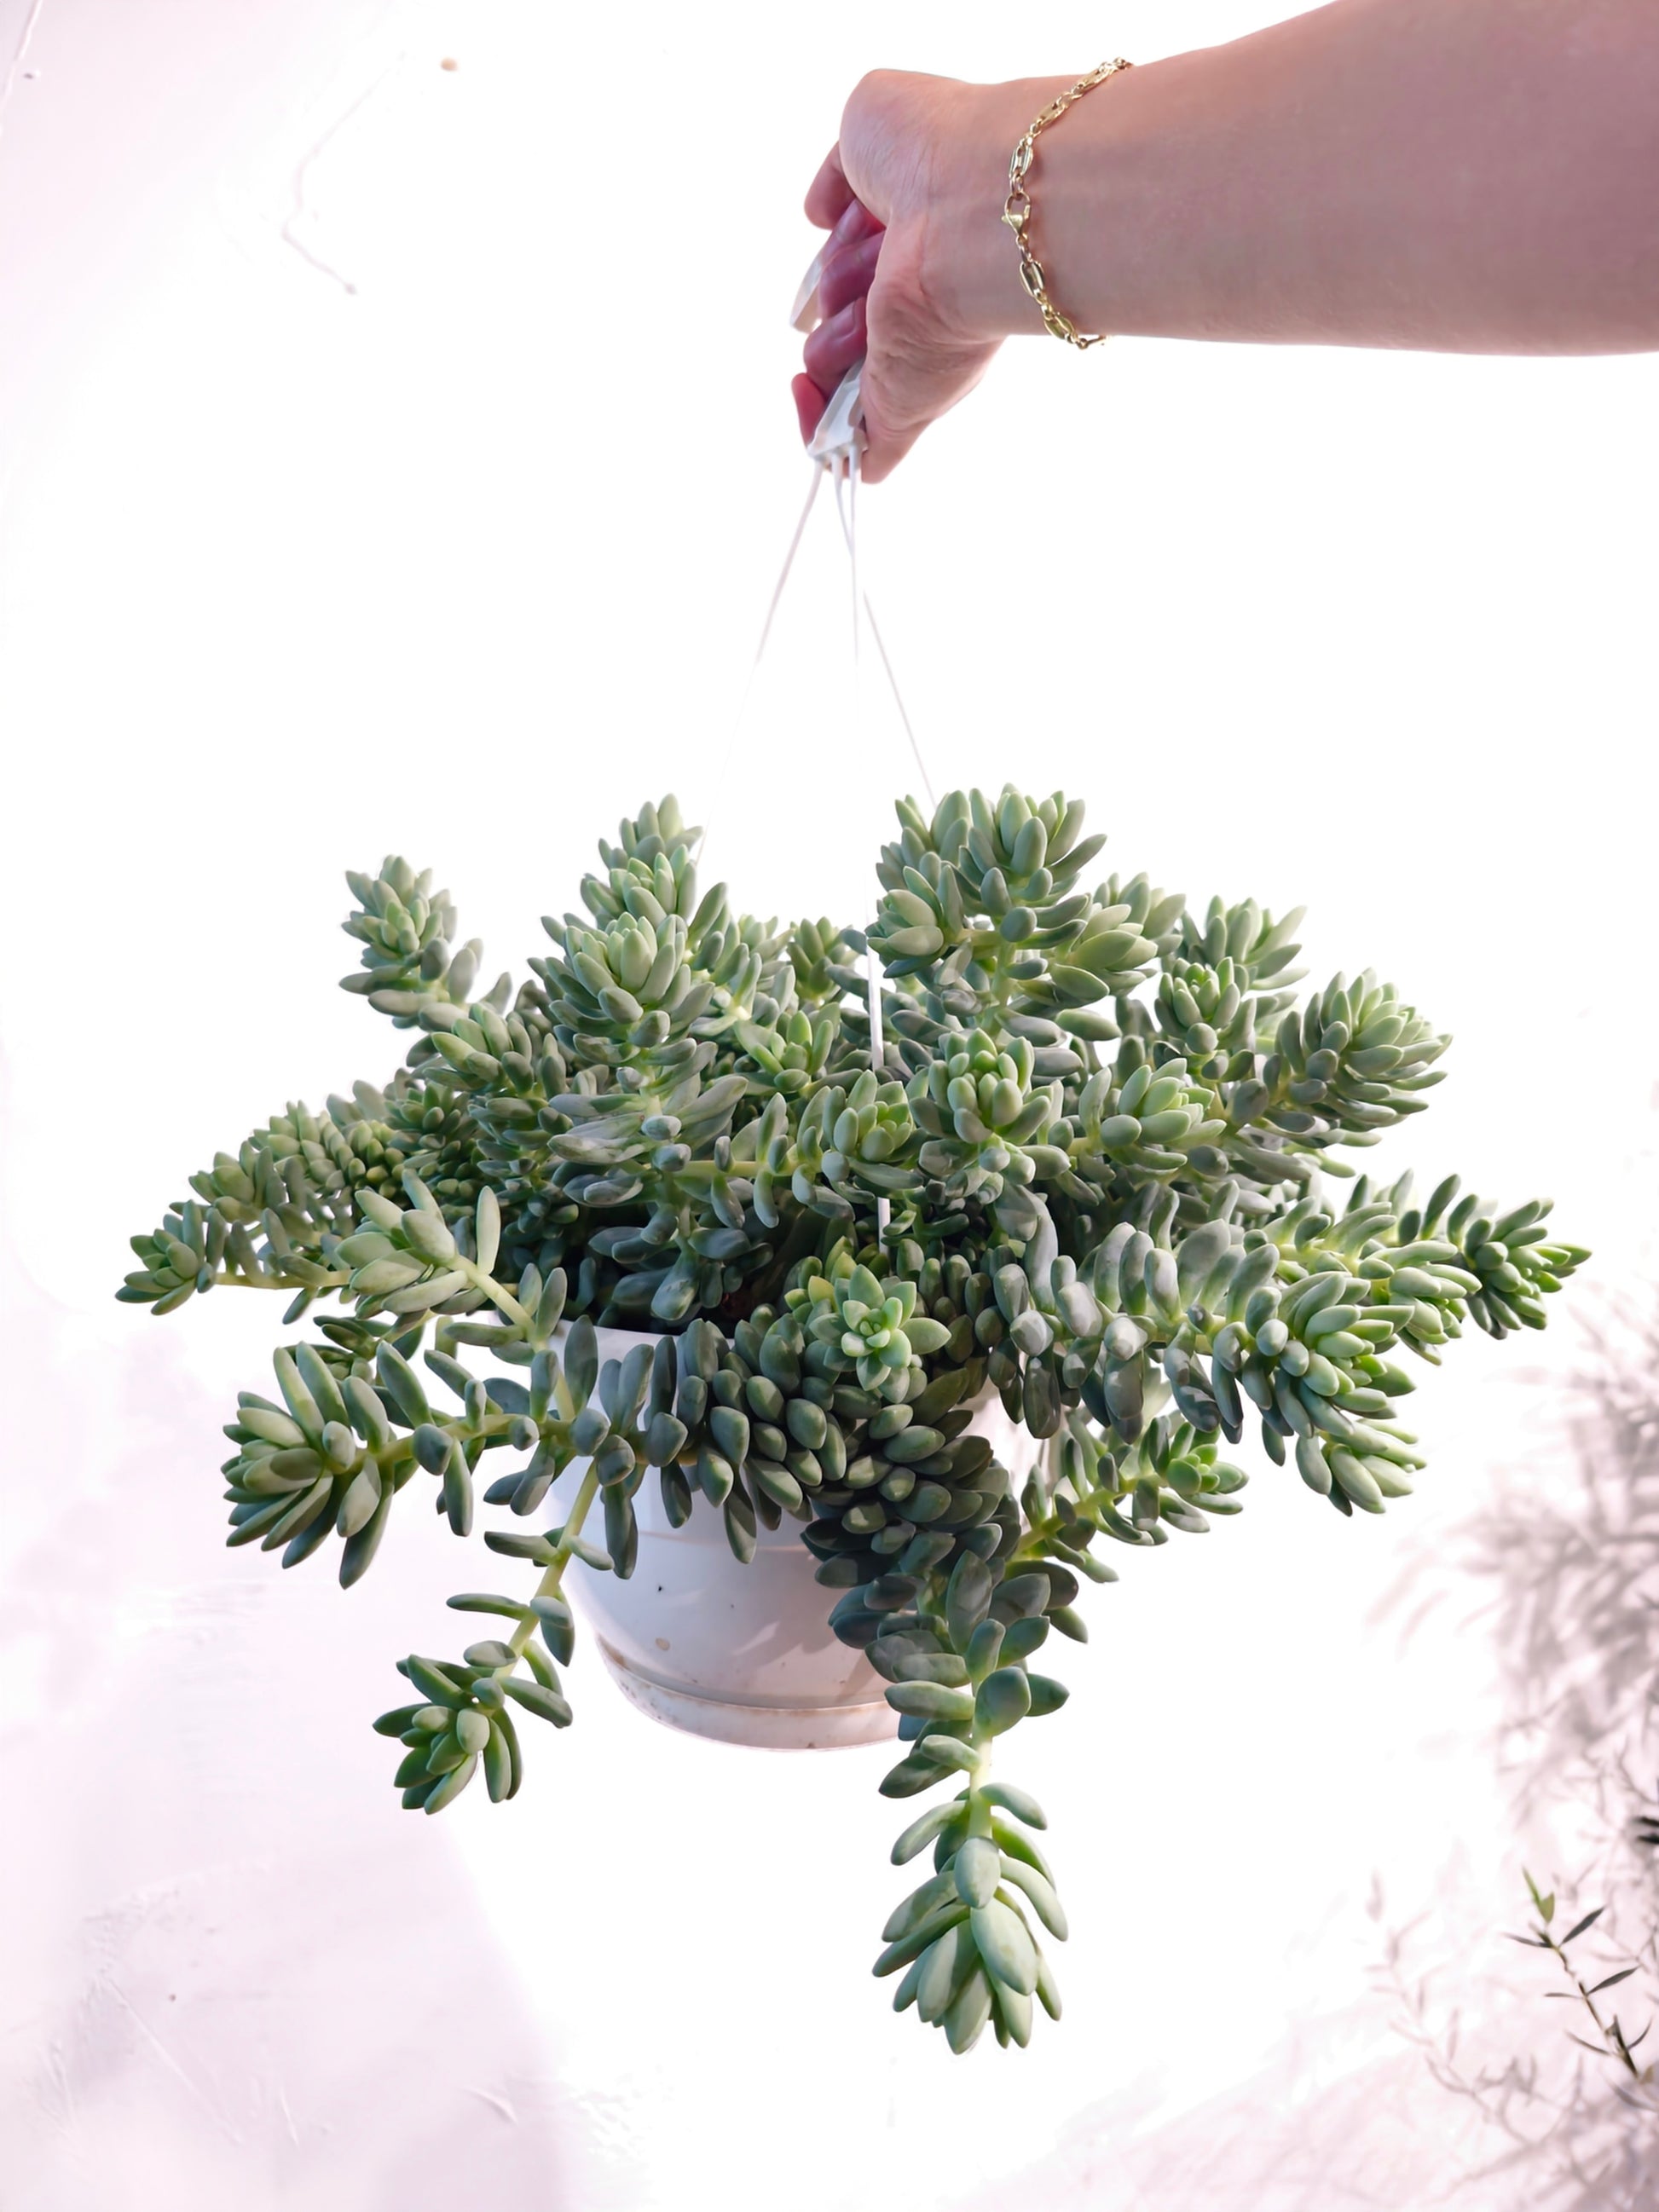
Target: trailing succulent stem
1095, 1135
958, 1667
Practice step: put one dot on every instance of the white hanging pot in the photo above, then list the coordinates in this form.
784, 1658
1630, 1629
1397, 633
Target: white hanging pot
743, 1654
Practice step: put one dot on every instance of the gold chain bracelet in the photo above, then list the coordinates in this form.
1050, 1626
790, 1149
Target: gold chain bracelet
1016, 208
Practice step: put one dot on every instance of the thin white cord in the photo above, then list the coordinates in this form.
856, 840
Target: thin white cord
845, 471
862, 599
732, 734
783, 578
851, 528
873, 979
19, 54
892, 684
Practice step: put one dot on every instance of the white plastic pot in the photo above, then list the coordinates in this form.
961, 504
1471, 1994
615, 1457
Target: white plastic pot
744, 1653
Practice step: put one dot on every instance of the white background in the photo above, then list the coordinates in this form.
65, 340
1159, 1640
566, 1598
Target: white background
396, 458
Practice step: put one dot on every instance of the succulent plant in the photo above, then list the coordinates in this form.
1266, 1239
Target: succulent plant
1087, 1174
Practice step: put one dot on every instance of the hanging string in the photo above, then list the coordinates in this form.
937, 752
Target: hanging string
892, 680
843, 476
847, 514
844, 470
846, 479
724, 774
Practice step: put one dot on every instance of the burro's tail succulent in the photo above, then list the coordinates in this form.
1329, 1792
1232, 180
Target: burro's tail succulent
1104, 1125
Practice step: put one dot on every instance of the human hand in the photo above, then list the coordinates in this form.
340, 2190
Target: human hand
921, 281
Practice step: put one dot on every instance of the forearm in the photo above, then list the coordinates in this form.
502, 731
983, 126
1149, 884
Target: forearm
1469, 175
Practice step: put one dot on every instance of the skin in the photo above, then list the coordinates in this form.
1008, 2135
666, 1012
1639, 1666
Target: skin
1468, 176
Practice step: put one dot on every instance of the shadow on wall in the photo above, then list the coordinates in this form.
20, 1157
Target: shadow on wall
1572, 1564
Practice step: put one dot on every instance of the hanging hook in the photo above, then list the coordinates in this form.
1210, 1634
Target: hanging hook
839, 433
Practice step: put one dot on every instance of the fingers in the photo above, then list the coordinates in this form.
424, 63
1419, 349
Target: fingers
828, 194
839, 341
834, 346
854, 224
809, 404
848, 275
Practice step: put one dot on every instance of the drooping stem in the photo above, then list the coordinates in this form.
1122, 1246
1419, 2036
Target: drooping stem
551, 1583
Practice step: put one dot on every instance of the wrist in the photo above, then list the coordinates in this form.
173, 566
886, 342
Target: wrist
973, 260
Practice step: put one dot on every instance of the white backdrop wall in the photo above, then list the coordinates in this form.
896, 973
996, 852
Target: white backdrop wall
399, 458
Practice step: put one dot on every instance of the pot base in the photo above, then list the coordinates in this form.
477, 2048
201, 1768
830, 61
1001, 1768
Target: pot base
765, 1726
